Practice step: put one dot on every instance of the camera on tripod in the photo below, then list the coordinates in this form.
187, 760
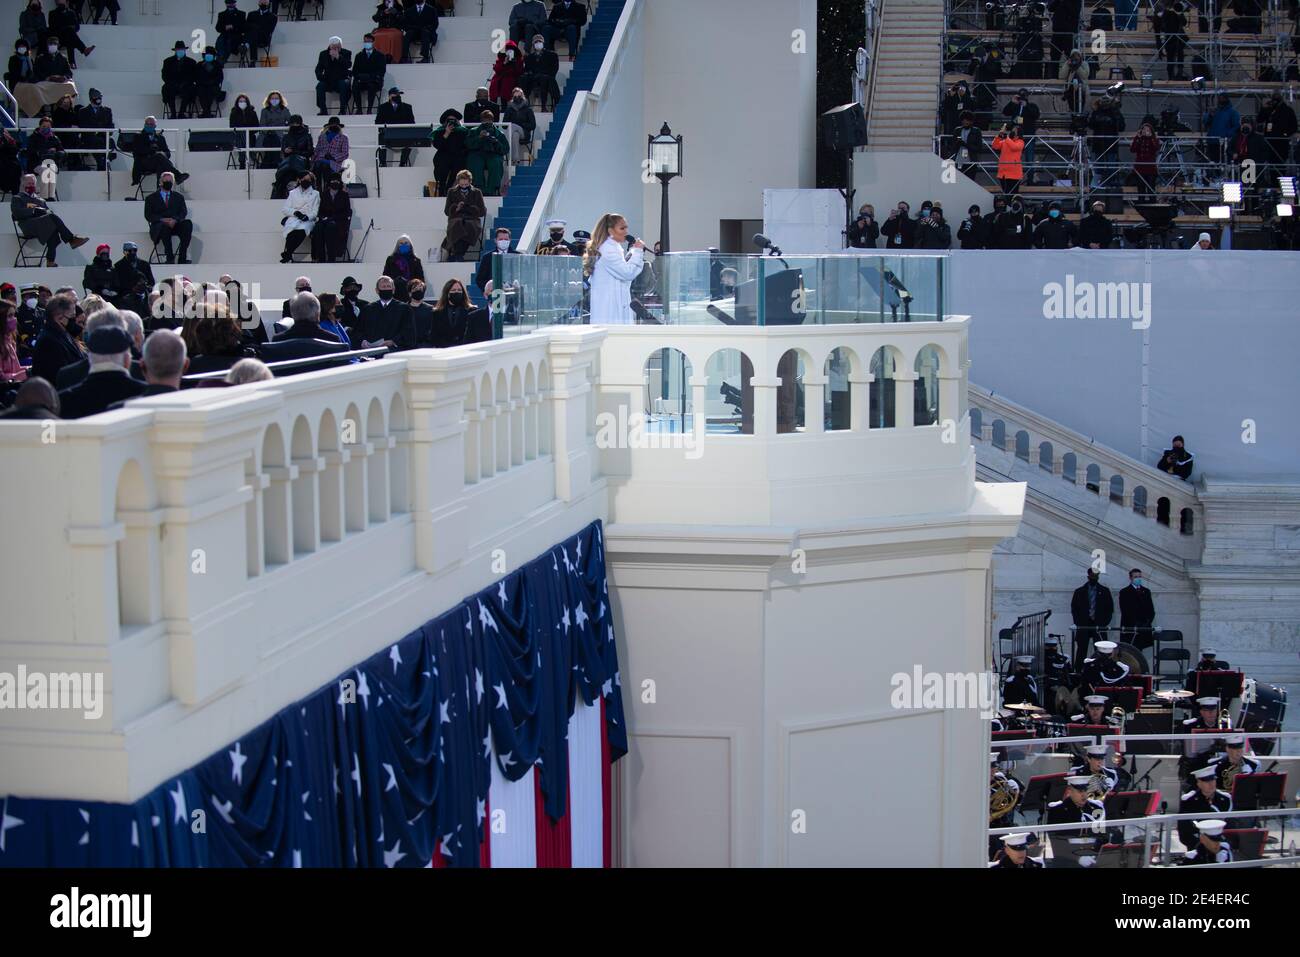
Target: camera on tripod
1170, 123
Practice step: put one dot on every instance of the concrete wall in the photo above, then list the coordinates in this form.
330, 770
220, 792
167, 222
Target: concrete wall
883, 179
723, 74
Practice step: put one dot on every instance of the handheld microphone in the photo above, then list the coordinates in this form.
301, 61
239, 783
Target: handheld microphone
762, 242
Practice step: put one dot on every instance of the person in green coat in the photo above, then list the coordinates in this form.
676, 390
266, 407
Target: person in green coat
488, 148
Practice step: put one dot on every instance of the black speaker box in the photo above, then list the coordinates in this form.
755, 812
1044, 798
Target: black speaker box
845, 127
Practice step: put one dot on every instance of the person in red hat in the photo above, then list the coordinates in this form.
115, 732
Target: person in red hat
99, 276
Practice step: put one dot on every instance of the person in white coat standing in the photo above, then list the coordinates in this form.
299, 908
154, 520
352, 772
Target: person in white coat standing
611, 271
300, 209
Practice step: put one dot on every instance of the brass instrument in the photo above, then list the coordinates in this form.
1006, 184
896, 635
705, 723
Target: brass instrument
1225, 720
1004, 795
1098, 786
1229, 774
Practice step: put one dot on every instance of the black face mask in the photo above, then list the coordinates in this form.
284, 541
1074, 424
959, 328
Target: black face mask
557, 234
456, 298
385, 295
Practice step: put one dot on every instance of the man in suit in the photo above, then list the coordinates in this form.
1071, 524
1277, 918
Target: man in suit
96, 116
56, 346
65, 24
134, 279
476, 106
27, 207
74, 372
168, 216
258, 27
162, 364
232, 24
333, 75
527, 17
350, 304
304, 308
387, 321
306, 338
420, 25
109, 380
566, 20
1137, 612
395, 111
368, 69
180, 77
301, 284
152, 154
329, 240
1092, 607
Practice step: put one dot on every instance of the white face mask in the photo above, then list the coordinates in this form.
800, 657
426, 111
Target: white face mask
503, 244
30, 302
275, 101
243, 104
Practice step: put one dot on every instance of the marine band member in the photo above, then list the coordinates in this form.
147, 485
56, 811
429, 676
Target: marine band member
1077, 806
1211, 848
1094, 712
1234, 762
1102, 780
1204, 797
1102, 670
1057, 673
555, 245
1015, 853
1208, 717
1020, 687
1209, 662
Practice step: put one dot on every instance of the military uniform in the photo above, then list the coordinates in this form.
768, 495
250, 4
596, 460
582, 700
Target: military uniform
1102, 671
553, 247
1200, 854
1110, 774
1006, 862
1020, 688
1193, 802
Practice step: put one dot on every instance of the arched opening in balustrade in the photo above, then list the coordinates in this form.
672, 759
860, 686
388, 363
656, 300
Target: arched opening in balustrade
472, 430
353, 438
729, 393
1045, 455
837, 404
137, 571
1116, 489
926, 399
487, 446
517, 417
1070, 467
1140, 499
1162, 510
377, 464
885, 364
669, 402
399, 463
544, 409
1022, 445
306, 529
503, 422
976, 424
531, 409
999, 434
1187, 521
330, 483
790, 404
1093, 479
277, 527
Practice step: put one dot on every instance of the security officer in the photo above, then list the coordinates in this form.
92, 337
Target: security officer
1015, 853
1210, 847
1020, 687
1093, 766
1204, 797
1102, 669
555, 245
579, 245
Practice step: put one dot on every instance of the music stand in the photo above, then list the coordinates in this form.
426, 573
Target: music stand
1148, 722
1127, 697
1067, 850
1247, 843
1126, 805
1250, 792
1042, 789
1009, 754
1192, 746
1120, 856
1224, 685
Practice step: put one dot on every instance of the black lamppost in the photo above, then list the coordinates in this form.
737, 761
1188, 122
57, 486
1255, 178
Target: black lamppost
665, 155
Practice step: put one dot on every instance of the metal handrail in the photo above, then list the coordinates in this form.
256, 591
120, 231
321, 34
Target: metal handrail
295, 363
7, 97
875, 18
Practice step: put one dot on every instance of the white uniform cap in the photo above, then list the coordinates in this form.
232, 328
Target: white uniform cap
1235, 740
1208, 702
1095, 699
1105, 647
1097, 750
1209, 653
1205, 773
1211, 828
556, 224
1024, 659
1015, 840
1078, 780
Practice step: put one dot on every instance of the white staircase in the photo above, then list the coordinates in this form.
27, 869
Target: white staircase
907, 68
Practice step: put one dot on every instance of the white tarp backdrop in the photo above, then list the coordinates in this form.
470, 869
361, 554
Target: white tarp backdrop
1221, 347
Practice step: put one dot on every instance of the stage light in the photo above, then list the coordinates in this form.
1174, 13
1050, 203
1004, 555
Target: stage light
1198, 83
1284, 209
1220, 212
1232, 192
1287, 183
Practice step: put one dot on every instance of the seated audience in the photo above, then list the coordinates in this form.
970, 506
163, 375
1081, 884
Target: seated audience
500, 247
455, 321
521, 115
475, 107
386, 321
566, 20
421, 311
180, 81
65, 27
152, 154
44, 146
96, 116
527, 18
168, 216
368, 69
403, 265
275, 113
1095, 230
393, 110
260, 26
333, 75
52, 66
296, 152
332, 150
35, 219
350, 304
163, 363
12, 370
248, 370
133, 279
218, 341
451, 151
488, 148
208, 79
57, 344
389, 17
300, 209
232, 24
109, 380
334, 222
22, 65
541, 72
99, 277
329, 318
506, 72
243, 117
36, 399
420, 25
465, 211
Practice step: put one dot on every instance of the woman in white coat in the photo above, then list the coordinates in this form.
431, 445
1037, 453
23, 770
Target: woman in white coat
611, 271
300, 209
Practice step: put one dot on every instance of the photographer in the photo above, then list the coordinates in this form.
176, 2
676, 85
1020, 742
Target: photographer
1024, 114
1277, 122
1075, 74
1009, 146
1029, 43
987, 70
955, 102
863, 231
1065, 28
1145, 148
1170, 27
1013, 228
973, 233
1106, 123
932, 231
970, 146
899, 229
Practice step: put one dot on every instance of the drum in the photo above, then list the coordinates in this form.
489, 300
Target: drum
1263, 708
1133, 657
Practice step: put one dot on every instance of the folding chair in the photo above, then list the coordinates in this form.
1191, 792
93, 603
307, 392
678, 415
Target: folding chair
24, 258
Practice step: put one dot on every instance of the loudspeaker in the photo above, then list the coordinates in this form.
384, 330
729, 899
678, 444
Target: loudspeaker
844, 127
211, 141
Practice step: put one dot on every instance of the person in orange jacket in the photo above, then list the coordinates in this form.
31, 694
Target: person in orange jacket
1009, 146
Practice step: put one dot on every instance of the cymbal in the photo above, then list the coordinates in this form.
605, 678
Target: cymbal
1025, 707
1171, 694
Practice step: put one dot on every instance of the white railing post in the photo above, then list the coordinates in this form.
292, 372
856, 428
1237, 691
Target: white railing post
572, 353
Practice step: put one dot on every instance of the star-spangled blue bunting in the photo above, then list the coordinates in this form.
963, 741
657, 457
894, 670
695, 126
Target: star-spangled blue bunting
388, 764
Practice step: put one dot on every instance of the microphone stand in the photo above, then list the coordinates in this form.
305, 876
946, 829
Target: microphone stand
356, 257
